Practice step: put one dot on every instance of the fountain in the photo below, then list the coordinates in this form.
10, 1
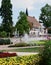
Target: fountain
26, 37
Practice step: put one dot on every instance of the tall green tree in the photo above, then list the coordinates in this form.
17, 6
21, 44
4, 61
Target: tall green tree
22, 25
45, 15
0, 28
26, 11
6, 15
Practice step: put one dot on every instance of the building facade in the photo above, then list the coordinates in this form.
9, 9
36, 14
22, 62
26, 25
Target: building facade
36, 28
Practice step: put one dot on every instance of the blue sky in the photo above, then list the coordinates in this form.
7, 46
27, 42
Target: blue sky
33, 6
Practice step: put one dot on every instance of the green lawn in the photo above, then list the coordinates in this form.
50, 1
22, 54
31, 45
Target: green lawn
35, 49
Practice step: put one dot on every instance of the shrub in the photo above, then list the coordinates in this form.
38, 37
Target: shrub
20, 45
45, 56
5, 41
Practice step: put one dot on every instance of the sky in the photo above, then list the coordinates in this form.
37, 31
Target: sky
33, 6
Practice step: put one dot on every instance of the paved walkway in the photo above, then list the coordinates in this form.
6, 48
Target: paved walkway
25, 53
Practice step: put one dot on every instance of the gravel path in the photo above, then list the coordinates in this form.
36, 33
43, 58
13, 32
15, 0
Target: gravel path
24, 53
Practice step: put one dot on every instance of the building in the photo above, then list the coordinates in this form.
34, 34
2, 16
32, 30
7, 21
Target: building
33, 22
36, 28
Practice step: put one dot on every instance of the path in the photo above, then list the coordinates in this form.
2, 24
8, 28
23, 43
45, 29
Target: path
25, 53
5, 47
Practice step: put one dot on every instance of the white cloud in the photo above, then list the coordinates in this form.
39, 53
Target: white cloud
17, 4
46, 1
33, 6
23, 4
43, 1
30, 8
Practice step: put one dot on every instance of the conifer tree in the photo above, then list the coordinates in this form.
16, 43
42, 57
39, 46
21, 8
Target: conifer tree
26, 11
6, 15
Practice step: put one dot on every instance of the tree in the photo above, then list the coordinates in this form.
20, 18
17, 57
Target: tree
22, 25
26, 11
46, 54
1, 29
6, 14
3, 34
45, 15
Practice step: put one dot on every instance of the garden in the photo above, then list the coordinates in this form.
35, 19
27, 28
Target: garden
9, 28
20, 60
42, 58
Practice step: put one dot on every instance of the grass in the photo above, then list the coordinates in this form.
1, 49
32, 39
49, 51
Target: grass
41, 42
27, 49
35, 49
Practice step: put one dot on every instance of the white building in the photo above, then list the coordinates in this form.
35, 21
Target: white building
36, 28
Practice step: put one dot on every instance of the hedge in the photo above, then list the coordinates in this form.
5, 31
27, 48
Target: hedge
5, 41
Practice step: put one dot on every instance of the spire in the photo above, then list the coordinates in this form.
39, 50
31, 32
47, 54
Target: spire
26, 11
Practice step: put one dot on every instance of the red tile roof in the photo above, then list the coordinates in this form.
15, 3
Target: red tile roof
33, 22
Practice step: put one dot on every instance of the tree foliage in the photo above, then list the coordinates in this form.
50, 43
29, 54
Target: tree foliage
22, 25
45, 15
3, 34
6, 15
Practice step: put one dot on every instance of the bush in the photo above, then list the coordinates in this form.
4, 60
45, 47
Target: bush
20, 45
45, 56
5, 41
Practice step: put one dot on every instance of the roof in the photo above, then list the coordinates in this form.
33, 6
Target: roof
33, 22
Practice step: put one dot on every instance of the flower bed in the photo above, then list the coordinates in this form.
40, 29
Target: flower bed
2, 55
22, 60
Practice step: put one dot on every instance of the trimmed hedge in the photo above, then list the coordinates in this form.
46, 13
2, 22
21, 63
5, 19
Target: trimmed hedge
5, 41
20, 45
